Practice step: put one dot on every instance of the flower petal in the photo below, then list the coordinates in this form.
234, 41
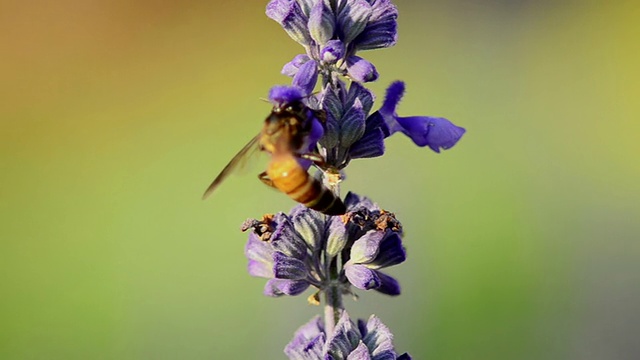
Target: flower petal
360, 353
366, 248
309, 225
260, 269
352, 125
378, 338
286, 267
321, 23
306, 77
344, 340
279, 287
290, 16
371, 144
308, 341
332, 105
286, 240
337, 238
353, 201
361, 70
362, 277
352, 18
392, 98
291, 68
257, 249
388, 285
437, 133
306, 5
332, 51
382, 29
357, 91
390, 251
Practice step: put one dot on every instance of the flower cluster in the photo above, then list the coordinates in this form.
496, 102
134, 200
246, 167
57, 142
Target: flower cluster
305, 248
352, 133
296, 251
368, 340
331, 32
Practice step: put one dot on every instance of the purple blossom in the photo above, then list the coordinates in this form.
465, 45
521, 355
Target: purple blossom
331, 34
351, 133
294, 250
360, 70
382, 27
375, 250
369, 339
436, 133
291, 17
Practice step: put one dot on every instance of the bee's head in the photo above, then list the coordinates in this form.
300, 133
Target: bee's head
292, 108
288, 110
289, 114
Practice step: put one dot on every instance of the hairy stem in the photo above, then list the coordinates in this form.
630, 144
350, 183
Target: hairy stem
333, 308
332, 294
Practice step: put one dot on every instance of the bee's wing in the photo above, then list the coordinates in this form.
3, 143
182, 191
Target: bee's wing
237, 160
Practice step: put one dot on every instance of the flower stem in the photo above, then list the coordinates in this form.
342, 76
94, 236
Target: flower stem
332, 293
332, 309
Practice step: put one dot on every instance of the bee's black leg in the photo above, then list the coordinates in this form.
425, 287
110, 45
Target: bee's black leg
321, 115
265, 179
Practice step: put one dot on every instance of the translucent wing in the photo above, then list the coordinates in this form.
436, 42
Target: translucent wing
237, 161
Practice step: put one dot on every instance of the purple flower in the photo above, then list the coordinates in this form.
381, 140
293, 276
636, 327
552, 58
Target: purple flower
332, 34
321, 23
375, 250
293, 20
346, 124
294, 251
333, 51
360, 70
352, 18
350, 133
292, 67
436, 133
367, 340
382, 27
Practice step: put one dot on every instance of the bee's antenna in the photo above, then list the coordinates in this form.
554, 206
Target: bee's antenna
312, 94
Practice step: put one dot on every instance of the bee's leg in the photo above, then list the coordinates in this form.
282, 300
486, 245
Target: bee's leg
265, 179
321, 115
317, 159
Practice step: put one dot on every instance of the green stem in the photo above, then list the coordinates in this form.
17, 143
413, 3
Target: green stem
332, 293
333, 308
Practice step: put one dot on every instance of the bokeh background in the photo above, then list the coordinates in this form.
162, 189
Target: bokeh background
523, 240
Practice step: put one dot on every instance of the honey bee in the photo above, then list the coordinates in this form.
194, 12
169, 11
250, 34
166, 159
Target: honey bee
285, 137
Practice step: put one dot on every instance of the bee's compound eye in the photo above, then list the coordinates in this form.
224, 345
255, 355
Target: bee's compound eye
295, 107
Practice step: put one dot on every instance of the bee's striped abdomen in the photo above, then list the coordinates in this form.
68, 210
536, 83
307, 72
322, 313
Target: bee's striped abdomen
289, 177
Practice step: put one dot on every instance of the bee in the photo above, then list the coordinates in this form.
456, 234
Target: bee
285, 136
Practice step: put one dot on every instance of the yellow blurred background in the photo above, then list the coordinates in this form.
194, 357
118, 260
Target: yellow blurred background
523, 240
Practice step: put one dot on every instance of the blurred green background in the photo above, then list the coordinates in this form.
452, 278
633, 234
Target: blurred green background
115, 116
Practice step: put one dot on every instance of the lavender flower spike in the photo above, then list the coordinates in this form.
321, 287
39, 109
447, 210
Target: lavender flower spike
368, 340
335, 255
295, 250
